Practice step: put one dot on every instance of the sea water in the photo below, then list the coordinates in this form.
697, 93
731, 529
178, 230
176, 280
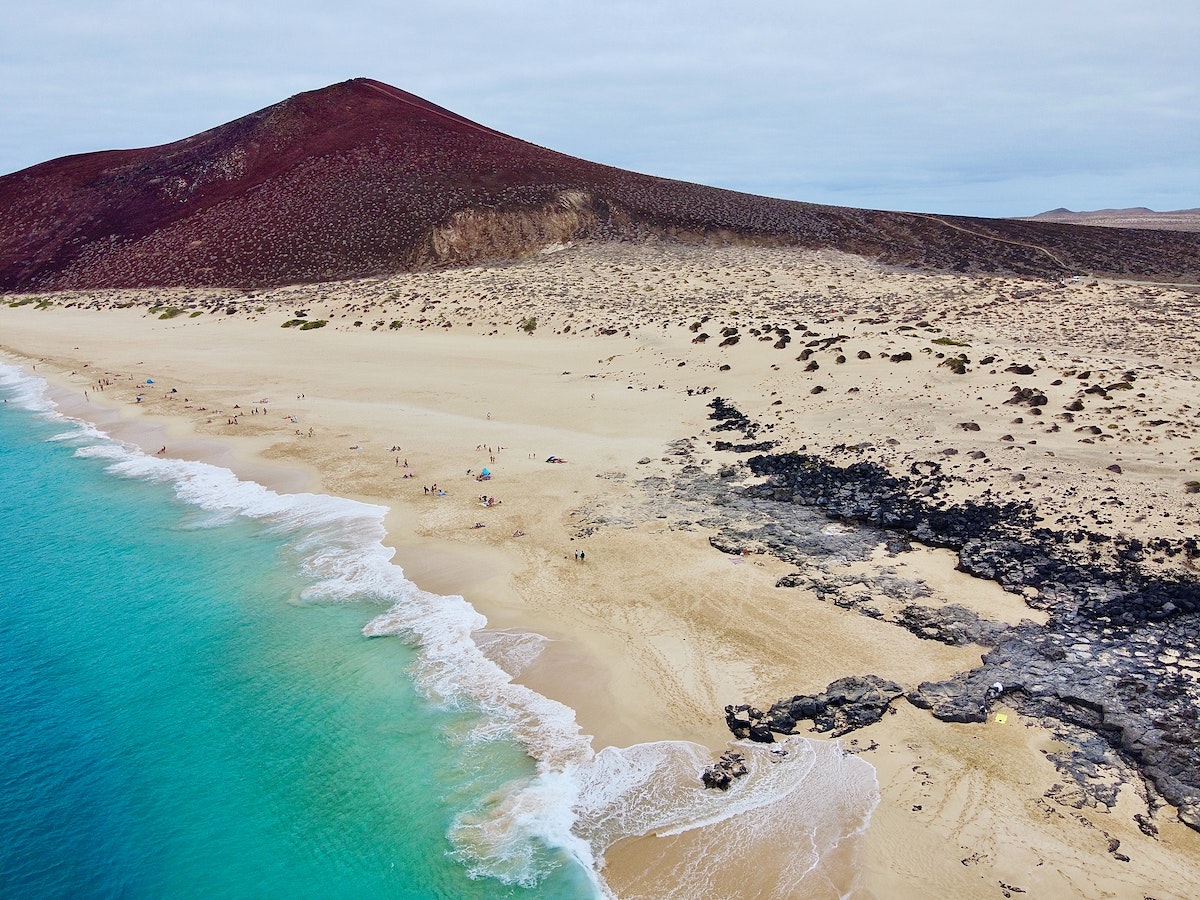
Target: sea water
188, 706
211, 689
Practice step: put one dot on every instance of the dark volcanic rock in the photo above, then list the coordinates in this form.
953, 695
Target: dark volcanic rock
729, 418
1027, 397
740, 718
1118, 658
952, 624
721, 774
964, 698
845, 705
757, 447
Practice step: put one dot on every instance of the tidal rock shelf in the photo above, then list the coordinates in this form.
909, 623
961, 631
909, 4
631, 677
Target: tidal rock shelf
845, 705
1118, 659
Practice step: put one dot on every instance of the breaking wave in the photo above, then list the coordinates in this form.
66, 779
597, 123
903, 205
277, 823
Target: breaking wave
793, 807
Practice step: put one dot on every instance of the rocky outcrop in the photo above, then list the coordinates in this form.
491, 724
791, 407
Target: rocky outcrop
730, 418
966, 697
1118, 660
1134, 687
951, 624
475, 234
1075, 572
844, 706
721, 774
497, 232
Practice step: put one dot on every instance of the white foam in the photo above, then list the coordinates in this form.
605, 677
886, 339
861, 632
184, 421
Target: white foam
505, 837
578, 801
791, 813
339, 544
26, 390
667, 796
514, 652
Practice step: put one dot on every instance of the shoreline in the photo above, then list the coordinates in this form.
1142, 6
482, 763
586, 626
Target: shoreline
678, 606
561, 672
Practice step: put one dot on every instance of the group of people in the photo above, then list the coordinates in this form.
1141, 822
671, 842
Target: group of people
483, 475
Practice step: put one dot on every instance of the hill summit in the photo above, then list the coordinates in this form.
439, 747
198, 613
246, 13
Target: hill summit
361, 179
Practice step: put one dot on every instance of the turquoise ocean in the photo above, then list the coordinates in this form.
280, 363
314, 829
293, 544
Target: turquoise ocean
211, 689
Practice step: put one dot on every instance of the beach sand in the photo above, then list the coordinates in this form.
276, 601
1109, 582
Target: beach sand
590, 354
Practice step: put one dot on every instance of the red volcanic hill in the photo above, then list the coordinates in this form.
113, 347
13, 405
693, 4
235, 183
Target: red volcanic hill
361, 179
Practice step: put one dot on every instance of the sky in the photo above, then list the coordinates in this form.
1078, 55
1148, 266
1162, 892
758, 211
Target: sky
968, 107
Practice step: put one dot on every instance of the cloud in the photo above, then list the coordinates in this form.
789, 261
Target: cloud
951, 107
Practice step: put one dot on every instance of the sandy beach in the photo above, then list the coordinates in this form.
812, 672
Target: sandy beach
606, 359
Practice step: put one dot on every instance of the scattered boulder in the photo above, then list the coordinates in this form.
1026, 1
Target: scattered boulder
1109, 662
1027, 397
963, 698
720, 775
844, 706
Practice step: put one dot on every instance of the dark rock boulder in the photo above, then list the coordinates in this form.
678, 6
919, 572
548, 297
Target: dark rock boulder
761, 733
1115, 660
720, 775
961, 699
844, 706
739, 719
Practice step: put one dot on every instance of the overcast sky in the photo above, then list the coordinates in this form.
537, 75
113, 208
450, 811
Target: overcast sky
995, 108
